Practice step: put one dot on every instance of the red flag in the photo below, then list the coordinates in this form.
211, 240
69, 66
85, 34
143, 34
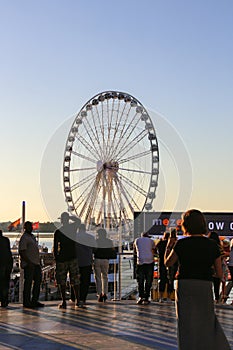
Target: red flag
14, 224
35, 226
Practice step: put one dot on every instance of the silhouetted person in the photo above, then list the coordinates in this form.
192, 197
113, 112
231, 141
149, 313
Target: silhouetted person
30, 263
144, 248
163, 272
216, 280
65, 254
6, 264
102, 254
85, 245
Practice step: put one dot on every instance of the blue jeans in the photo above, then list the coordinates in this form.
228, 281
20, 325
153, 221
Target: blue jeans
144, 275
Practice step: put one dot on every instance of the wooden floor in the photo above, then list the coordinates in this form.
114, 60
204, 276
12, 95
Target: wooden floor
112, 325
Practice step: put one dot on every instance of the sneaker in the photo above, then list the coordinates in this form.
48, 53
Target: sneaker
62, 306
146, 302
139, 301
160, 300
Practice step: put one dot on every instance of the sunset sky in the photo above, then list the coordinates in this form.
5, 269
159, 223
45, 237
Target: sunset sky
175, 57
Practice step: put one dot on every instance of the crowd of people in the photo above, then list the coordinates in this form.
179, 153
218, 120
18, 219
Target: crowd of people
199, 261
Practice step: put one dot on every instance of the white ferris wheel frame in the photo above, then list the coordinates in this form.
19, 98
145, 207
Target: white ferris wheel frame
111, 161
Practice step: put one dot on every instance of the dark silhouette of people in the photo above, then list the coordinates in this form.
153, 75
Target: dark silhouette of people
172, 270
216, 280
102, 254
65, 254
6, 264
85, 245
30, 263
163, 272
144, 248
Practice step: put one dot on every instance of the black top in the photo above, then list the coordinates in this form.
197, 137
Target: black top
105, 249
65, 245
196, 256
5, 252
85, 245
161, 247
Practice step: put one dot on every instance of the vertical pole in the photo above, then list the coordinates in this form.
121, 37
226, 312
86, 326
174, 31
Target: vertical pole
120, 256
23, 214
21, 278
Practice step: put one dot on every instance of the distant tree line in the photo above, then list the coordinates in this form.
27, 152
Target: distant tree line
43, 226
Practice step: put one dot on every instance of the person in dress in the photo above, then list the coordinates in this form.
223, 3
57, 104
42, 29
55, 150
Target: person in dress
198, 327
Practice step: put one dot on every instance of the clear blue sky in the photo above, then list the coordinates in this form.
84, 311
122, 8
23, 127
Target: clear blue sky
175, 56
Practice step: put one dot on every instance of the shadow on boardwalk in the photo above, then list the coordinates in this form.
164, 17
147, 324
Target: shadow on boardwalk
113, 325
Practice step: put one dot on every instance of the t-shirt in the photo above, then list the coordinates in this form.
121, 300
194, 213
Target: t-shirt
196, 256
28, 243
105, 249
65, 246
144, 247
85, 246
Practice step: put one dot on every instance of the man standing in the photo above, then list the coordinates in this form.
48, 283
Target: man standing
65, 254
144, 248
85, 245
6, 264
103, 252
30, 262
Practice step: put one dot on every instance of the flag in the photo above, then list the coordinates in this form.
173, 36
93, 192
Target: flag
35, 225
13, 225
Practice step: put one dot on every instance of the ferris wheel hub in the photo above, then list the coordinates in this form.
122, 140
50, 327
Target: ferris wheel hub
112, 166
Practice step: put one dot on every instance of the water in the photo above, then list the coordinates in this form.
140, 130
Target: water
43, 241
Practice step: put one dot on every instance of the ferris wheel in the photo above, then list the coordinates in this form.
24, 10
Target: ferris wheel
111, 161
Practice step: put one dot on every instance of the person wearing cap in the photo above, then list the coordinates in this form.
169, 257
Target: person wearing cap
65, 254
144, 248
30, 263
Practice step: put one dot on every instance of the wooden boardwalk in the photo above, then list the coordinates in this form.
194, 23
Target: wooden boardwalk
112, 325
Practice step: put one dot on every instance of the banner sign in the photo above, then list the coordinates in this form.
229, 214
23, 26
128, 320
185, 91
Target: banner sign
157, 223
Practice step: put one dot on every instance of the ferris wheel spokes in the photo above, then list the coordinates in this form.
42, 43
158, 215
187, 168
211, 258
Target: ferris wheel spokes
111, 160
